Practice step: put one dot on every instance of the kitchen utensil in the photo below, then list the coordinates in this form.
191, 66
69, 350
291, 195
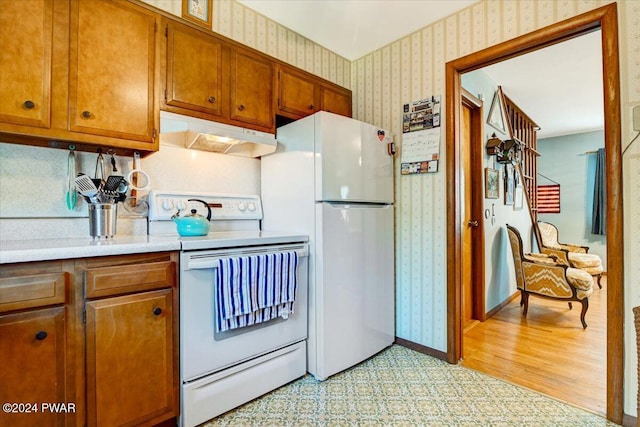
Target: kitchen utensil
112, 184
113, 161
132, 178
193, 224
71, 194
85, 186
99, 182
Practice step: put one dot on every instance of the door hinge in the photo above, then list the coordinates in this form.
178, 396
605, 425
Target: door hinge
165, 95
84, 315
166, 31
278, 102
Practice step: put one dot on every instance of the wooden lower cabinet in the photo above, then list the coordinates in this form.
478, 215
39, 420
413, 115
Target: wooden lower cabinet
131, 339
32, 367
130, 358
98, 337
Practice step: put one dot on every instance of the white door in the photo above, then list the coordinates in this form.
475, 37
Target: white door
354, 285
352, 163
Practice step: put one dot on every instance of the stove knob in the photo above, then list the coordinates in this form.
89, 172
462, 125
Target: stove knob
167, 205
252, 206
181, 205
242, 206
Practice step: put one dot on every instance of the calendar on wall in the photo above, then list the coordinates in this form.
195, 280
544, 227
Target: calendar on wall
420, 136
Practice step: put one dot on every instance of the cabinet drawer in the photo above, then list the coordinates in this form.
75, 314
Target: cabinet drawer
37, 290
122, 279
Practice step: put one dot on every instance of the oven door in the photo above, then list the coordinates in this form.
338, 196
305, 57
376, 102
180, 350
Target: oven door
204, 351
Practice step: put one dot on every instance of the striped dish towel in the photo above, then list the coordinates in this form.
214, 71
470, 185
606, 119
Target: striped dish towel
255, 289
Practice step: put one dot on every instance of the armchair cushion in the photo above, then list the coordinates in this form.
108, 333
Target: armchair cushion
580, 279
541, 258
582, 260
587, 262
574, 248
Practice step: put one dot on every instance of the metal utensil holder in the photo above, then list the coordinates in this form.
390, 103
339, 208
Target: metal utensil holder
103, 220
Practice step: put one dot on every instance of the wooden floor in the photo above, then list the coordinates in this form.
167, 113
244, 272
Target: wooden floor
548, 351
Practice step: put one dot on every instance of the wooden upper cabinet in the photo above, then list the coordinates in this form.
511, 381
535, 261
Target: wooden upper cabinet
112, 58
300, 94
251, 89
297, 94
336, 100
194, 77
26, 31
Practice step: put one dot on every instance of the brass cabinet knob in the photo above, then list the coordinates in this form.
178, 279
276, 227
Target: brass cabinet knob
211, 99
41, 335
86, 114
241, 107
29, 104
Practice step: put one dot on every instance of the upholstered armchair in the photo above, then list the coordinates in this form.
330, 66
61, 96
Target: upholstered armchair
544, 276
575, 256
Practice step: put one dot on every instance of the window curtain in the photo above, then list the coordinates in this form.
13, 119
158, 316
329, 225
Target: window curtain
599, 215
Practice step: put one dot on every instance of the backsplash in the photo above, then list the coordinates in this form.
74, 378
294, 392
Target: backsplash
33, 185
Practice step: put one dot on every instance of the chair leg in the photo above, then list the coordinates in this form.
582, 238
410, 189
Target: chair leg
599, 277
525, 297
585, 307
521, 297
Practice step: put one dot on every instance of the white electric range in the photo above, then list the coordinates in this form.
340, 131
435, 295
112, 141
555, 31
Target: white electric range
222, 370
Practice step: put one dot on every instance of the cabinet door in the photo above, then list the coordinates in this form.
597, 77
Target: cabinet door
32, 370
26, 31
296, 93
112, 69
194, 70
338, 102
251, 89
130, 359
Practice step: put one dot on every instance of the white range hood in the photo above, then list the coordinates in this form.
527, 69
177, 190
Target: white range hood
199, 134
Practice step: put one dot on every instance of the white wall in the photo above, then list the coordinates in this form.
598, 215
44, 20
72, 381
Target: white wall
413, 68
563, 160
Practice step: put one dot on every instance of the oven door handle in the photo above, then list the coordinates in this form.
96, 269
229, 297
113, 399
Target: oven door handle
211, 263
203, 264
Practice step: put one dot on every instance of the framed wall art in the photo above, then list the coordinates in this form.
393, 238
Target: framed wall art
498, 113
491, 183
518, 202
198, 11
509, 184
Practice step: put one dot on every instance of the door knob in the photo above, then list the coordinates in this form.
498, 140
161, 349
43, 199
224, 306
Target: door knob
473, 223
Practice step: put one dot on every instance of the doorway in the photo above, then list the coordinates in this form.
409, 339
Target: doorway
473, 259
604, 18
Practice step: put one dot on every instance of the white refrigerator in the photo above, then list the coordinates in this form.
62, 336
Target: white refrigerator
332, 178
